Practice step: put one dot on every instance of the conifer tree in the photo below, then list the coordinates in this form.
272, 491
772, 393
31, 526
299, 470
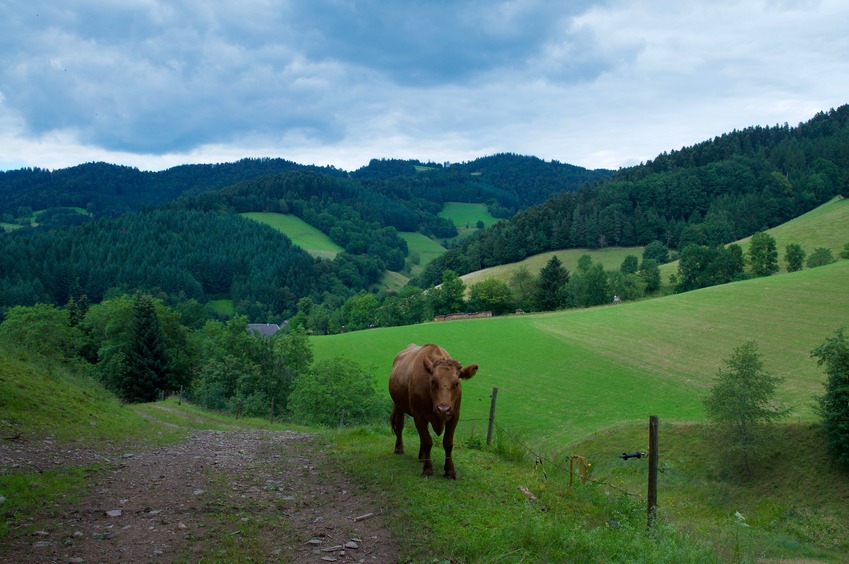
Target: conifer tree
145, 368
552, 277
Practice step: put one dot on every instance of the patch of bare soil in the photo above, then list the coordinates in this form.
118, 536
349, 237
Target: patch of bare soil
219, 496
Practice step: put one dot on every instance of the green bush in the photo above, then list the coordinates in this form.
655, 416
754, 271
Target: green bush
337, 391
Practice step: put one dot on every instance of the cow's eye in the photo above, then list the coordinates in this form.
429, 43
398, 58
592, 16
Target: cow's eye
433, 383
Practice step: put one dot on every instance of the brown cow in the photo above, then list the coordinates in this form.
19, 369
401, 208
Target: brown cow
425, 384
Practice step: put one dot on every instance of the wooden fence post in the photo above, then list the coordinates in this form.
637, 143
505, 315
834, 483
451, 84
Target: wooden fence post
653, 455
271, 420
491, 416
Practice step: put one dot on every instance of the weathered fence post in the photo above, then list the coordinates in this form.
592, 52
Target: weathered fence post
180, 401
342, 419
653, 455
238, 408
272, 411
491, 416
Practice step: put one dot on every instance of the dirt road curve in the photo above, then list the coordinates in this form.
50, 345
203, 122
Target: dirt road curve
220, 496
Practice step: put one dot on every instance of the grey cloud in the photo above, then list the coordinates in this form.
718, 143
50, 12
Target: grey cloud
430, 43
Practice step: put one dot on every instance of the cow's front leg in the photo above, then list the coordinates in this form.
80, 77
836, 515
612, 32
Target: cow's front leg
448, 445
425, 443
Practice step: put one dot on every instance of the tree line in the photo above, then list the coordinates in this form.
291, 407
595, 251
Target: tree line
141, 350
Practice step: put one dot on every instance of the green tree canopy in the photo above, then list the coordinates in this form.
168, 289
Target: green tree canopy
334, 391
740, 405
820, 257
794, 256
763, 254
656, 251
630, 265
833, 405
491, 294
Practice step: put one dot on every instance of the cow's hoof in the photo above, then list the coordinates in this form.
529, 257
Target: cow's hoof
399, 451
451, 475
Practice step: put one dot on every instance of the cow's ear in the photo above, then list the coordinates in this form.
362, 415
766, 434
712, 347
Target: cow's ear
468, 371
428, 364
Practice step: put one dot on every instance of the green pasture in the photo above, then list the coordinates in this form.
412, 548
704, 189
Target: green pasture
300, 232
610, 258
826, 226
564, 375
393, 280
466, 216
427, 248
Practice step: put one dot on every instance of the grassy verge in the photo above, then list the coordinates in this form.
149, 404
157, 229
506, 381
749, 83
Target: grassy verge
485, 516
795, 508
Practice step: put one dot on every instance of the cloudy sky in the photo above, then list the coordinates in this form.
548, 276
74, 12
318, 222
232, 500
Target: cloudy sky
156, 83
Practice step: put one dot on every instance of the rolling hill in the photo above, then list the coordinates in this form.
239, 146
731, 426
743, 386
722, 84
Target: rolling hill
567, 374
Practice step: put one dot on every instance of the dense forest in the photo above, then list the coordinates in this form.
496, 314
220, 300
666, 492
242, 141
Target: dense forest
177, 254
711, 193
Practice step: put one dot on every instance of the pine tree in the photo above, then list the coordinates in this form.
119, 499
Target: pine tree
552, 277
145, 368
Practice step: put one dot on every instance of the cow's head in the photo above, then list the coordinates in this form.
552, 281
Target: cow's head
445, 376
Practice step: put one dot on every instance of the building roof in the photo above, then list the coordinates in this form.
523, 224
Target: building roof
264, 329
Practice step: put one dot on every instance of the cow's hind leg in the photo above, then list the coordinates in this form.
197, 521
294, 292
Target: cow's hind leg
426, 442
397, 422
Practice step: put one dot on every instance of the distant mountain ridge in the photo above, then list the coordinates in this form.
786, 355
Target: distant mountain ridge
104, 188
508, 182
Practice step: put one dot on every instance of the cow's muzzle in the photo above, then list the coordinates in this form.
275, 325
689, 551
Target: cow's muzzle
443, 410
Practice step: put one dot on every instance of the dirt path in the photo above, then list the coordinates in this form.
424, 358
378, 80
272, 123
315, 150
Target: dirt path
220, 496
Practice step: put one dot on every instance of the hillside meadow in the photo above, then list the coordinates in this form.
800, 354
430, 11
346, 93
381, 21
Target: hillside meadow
466, 217
300, 232
610, 258
564, 375
825, 226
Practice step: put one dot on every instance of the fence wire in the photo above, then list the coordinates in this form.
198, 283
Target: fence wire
541, 461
